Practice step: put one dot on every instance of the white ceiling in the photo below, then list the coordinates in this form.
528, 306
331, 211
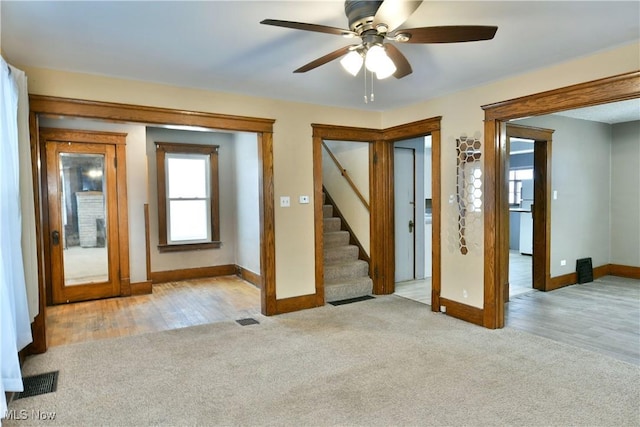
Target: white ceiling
220, 45
617, 112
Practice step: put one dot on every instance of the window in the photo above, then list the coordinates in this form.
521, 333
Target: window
516, 176
187, 196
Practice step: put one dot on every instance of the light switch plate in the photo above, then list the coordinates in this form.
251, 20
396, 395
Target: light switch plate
304, 200
285, 201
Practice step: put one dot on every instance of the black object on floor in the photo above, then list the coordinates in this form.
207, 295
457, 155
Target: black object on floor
38, 384
584, 270
350, 300
248, 321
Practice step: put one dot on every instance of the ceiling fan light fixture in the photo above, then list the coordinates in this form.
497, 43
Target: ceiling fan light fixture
352, 62
378, 62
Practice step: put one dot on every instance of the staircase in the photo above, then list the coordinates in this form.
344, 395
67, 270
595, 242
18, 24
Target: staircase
345, 276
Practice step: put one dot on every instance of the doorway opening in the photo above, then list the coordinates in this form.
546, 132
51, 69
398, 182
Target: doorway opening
381, 155
137, 119
413, 218
616, 88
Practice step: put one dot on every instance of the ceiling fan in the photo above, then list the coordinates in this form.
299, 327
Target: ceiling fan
377, 22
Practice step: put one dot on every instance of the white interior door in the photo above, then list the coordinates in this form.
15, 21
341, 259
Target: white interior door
404, 190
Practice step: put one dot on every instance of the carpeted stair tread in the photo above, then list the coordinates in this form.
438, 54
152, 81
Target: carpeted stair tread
345, 275
336, 238
332, 224
341, 254
353, 288
346, 270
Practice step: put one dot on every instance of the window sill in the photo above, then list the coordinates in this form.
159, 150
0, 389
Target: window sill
189, 247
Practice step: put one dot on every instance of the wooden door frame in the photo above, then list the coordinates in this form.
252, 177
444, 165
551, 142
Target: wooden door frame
382, 250
46, 106
496, 250
118, 140
541, 262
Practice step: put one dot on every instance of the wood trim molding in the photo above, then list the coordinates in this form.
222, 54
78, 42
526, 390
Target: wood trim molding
303, 302
266, 210
318, 215
418, 128
436, 220
249, 276
616, 88
147, 241
624, 271
54, 106
192, 273
462, 311
345, 133
558, 282
142, 288
96, 137
611, 89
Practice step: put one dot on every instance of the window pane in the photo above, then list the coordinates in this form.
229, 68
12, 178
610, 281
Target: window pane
188, 220
187, 177
522, 174
511, 192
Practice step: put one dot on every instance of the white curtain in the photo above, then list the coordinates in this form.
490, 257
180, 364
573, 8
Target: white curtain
15, 322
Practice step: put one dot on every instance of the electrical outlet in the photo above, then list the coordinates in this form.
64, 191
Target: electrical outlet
285, 201
465, 294
304, 200
563, 262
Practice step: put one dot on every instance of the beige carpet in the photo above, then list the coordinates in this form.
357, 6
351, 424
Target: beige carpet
387, 361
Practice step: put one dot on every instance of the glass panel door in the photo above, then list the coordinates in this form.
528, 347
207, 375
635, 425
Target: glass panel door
82, 221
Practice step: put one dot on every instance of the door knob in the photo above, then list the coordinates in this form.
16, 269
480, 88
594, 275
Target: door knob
55, 237
411, 224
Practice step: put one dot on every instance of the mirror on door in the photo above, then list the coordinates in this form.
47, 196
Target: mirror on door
83, 216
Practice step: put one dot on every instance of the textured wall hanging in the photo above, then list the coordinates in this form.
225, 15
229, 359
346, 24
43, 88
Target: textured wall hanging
468, 192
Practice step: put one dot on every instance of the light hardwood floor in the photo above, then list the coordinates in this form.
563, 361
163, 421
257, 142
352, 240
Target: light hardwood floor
520, 273
417, 290
602, 316
171, 305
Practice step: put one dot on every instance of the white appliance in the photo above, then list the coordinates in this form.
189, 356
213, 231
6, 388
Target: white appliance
526, 218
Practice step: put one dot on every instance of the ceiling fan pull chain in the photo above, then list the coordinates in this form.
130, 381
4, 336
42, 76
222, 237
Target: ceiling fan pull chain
373, 97
366, 100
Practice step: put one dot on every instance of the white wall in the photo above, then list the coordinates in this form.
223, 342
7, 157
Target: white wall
247, 201
136, 183
580, 173
354, 157
625, 194
293, 161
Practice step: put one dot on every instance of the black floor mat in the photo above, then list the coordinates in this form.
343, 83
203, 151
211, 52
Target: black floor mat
38, 384
247, 321
350, 300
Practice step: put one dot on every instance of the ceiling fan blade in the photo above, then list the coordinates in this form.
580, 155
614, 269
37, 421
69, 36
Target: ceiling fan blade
324, 59
393, 13
308, 27
448, 34
403, 68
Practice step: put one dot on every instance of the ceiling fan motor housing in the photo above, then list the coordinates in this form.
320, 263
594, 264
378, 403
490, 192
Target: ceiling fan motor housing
360, 14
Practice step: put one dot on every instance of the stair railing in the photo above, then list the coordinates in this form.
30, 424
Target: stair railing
346, 176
